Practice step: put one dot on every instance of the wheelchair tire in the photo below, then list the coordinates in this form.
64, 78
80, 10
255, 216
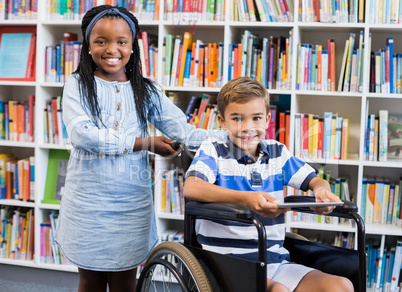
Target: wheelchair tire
168, 261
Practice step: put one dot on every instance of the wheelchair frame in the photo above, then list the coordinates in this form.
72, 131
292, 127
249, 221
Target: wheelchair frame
227, 273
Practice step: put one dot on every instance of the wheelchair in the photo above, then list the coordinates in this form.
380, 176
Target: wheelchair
172, 266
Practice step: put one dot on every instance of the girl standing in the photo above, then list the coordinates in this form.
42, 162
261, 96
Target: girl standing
107, 225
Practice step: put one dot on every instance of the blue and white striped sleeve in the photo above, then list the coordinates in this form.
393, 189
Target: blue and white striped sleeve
296, 173
204, 164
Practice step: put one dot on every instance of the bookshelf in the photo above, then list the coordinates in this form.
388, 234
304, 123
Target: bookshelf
352, 105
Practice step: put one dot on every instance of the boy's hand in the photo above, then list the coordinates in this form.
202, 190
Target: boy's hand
322, 194
158, 145
264, 204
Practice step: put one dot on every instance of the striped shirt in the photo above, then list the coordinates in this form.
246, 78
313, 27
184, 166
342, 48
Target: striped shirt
225, 165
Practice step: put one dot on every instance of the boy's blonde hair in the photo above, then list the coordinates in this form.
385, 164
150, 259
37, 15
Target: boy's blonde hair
241, 90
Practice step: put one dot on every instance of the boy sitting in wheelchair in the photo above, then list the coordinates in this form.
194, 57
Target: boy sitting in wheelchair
251, 171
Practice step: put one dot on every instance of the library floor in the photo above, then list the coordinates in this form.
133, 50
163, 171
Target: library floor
12, 286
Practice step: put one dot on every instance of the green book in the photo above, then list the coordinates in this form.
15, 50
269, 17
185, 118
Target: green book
55, 177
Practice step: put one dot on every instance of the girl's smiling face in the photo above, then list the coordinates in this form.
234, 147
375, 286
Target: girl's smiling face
110, 44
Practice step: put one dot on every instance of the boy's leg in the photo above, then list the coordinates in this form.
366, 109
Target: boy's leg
91, 281
317, 281
122, 281
273, 286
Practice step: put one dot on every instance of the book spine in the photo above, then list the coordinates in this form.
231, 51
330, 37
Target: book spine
383, 136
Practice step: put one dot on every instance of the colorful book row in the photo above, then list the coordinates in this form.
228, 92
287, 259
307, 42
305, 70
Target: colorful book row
18, 10
381, 201
316, 66
332, 11
324, 137
188, 63
17, 177
50, 253
268, 60
172, 200
385, 69
54, 129
194, 10
384, 266
385, 11
17, 120
383, 137
17, 233
202, 112
148, 44
76, 9
263, 10
61, 60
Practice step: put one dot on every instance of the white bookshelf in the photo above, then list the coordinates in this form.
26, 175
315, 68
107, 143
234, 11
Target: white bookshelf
348, 104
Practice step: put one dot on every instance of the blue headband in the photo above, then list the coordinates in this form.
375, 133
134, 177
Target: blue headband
111, 11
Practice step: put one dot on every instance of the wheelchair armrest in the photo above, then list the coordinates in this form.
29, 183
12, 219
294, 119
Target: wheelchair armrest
219, 211
339, 211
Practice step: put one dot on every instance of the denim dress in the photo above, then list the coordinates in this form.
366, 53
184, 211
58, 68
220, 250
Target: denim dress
107, 220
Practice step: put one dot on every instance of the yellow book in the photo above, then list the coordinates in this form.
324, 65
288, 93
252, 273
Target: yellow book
8, 239
370, 198
345, 139
378, 201
384, 210
333, 138
163, 192
315, 136
187, 44
375, 148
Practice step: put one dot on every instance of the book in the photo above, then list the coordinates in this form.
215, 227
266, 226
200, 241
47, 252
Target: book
394, 136
187, 41
327, 134
17, 53
273, 122
383, 136
345, 139
51, 186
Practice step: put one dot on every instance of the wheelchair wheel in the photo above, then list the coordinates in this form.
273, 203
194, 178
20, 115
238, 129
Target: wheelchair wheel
169, 265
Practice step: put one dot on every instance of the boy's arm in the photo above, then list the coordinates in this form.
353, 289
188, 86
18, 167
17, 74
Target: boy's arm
262, 203
322, 193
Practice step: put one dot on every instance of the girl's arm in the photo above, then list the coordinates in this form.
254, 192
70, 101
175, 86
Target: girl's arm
260, 202
173, 123
84, 134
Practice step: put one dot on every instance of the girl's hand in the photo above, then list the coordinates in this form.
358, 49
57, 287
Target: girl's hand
264, 204
158, 145
322, 194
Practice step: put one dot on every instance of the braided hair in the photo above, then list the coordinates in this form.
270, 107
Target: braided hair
143, 88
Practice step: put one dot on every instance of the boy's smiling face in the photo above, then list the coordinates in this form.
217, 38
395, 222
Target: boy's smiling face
246, 124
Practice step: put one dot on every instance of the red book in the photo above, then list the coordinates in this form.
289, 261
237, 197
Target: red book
273, 122
316, 5
287, 128
144, 36
55, 122
332, 67
320, 147
282, 128
176, 82
235, 63
329, 64
31, 58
